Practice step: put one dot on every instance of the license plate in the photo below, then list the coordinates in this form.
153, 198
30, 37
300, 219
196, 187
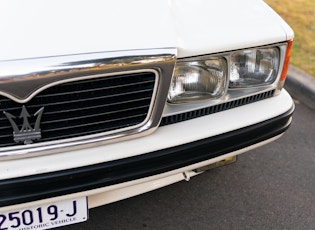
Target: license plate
46, 216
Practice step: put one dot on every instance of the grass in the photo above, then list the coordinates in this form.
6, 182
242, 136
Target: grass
300, 15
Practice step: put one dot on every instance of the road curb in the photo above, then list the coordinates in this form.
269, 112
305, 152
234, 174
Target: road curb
301, 85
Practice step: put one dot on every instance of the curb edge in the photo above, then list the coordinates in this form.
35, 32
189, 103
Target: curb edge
301, 85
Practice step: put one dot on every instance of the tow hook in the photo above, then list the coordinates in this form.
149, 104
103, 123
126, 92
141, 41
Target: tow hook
186, 176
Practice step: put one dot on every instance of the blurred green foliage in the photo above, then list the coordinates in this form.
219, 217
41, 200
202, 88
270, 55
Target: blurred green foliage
300, 15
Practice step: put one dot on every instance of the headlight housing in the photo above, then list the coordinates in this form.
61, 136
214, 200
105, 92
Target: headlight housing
198, 80
254, 67
230, 75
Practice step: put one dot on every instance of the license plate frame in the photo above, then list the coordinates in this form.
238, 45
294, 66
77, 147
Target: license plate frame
46, 216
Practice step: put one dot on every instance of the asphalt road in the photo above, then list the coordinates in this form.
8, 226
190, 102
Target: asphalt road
272, 187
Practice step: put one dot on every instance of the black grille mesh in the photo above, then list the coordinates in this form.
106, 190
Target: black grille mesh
214, 109
84, 107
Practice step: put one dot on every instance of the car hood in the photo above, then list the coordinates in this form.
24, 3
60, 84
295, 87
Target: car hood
38, 28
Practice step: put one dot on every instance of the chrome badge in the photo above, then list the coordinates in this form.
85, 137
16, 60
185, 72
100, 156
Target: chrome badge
26, 134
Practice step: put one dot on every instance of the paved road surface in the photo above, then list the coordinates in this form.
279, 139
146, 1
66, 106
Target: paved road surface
272, 187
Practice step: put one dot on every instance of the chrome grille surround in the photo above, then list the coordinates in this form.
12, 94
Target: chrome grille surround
22, 80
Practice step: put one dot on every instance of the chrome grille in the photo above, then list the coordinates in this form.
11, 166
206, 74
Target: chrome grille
84, 107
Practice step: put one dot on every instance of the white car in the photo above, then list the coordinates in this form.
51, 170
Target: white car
104, 100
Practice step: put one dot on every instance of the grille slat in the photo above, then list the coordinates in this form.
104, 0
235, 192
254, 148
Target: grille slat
81, 98
142, 101
119, 87
108, 114
83, 133
8, 135
95, 123
84, 107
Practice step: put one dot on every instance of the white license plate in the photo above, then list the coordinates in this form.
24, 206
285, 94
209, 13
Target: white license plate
46, 216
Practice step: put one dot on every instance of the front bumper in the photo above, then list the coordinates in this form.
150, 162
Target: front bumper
42, 186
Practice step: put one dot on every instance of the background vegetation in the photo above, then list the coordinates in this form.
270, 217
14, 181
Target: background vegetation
300, 15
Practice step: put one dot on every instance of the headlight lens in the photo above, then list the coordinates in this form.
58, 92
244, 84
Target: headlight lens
255, 67
198, 80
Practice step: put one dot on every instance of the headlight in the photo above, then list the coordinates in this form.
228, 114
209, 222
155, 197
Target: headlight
198, 80
210, 77
254, 67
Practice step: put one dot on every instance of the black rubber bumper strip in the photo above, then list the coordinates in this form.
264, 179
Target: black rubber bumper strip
37, 187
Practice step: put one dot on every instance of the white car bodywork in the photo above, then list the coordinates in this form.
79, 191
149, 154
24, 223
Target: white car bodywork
51, 28
37, 29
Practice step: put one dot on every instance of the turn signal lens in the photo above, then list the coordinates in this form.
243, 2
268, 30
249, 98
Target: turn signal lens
198, 80
285, 64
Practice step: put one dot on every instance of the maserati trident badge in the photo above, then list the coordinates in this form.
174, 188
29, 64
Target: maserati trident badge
26, 134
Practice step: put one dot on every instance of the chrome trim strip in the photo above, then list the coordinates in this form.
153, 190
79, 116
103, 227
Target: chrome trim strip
21, 80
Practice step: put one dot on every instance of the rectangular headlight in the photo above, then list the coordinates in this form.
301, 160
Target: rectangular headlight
254, 67
198, 80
